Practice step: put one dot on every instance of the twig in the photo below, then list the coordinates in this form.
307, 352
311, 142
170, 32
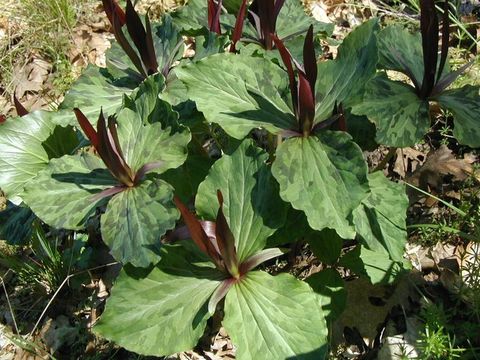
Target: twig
60, 288
8, 302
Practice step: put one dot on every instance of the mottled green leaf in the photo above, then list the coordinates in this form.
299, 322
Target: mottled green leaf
164, 310
166, 40
464, 103
292, 19
326, 245
209, 44
16, 224
239, 93
22, 149
275, 317
342, 80
142, 144
135, 221
362, 131
186, 178
252, 206
380, 220
398, 49
401, 118
96, 89
62, 194
294, 229
329, 284
375, 265
193, 17
324, 176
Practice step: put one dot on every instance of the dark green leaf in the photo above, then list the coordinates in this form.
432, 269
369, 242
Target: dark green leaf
239, 106
62, 194
252, 206
329, 284
401, 117
324, 176
275, 317
326, 245
342, 80
162, 311
464, 103
16, 224
380, 220
135, 221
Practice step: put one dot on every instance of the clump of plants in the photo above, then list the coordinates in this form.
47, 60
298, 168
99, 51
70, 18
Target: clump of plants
131, 147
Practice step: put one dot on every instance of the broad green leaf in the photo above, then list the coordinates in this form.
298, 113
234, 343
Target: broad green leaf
23, 152
193, 17
162, 311
252, 206
294, 229
209, 44
275, 317
239, 93
292, 19
16, 224
326, 245
135, 221
62, 194
375, 265
464, 103
186, 178
401, 117
168, 43
398, 49
329, 284
342, 80
325, 176
96, 89
380, 220
363, 132
142, 144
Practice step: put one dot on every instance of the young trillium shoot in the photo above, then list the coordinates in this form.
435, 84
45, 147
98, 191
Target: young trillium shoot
106, 143
400, 111
220, 247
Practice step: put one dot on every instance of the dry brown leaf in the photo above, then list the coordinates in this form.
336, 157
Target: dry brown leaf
439, 163
31, 77
407, 160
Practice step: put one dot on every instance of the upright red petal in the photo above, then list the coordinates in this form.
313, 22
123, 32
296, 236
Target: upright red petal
429, 28
238, 29
226, 241
87, 128
112, 9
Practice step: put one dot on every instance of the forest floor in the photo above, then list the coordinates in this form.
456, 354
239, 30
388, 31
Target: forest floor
435, 309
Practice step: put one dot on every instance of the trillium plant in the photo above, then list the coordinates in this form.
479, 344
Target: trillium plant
203, 175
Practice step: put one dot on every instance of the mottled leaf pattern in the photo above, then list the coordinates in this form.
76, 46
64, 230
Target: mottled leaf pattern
343, 79
380, 220
275, 317
16, 224
166, 40
464, 103
62, 194
239, 93
401, 118
192, 18
324, 176
398, 49
252, 207
94, 90
136, 219
292, 19
162, 311
142, 144
22, 152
